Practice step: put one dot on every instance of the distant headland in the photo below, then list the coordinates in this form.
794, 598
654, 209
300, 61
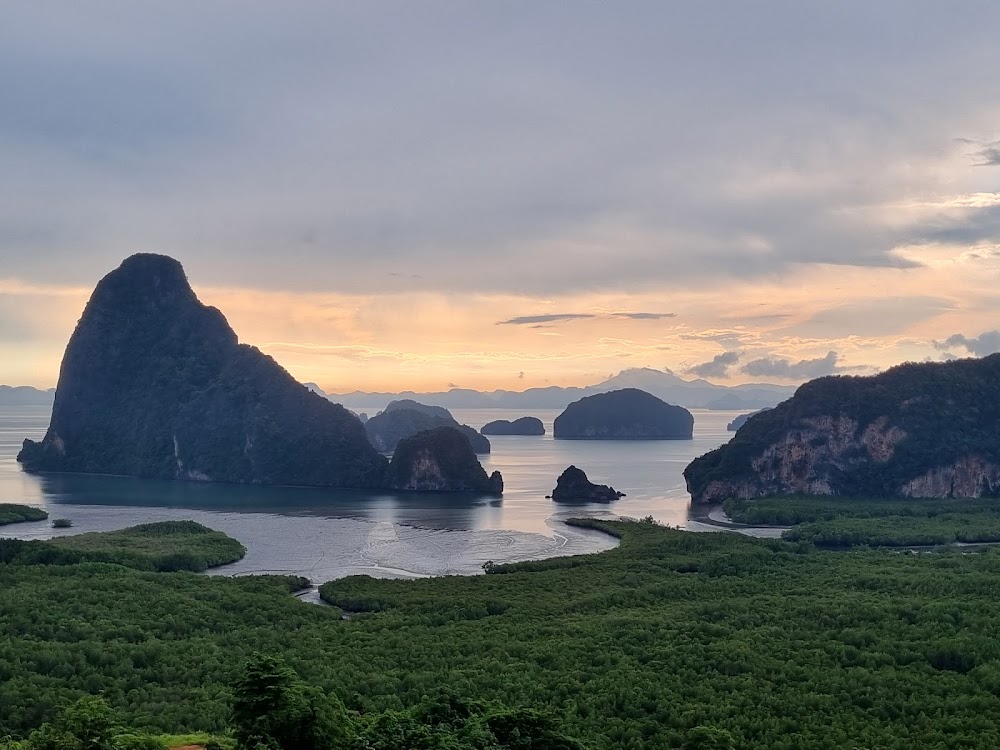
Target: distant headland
916, 430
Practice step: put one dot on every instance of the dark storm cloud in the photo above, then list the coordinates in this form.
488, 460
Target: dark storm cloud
530, 319
718, 367
325, 145
981, 345
806, 369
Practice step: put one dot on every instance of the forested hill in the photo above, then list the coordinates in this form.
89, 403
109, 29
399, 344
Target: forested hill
671, 640
916, 430
156, 384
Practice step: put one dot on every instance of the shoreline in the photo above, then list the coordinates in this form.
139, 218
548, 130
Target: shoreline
713, 518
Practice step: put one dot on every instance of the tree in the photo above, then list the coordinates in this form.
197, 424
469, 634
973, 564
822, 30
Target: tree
274, 710
709, 738
89, 724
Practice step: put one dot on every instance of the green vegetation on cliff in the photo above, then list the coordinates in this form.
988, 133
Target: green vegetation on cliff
868, 436
440, 460
671, 640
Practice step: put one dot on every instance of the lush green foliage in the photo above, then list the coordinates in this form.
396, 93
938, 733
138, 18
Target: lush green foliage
14, 513
273, 709
898, 531
847, 522
164, 546
788, 511
671, 640
948, 410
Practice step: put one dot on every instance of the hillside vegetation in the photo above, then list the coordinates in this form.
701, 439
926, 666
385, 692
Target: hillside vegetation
849, 522
671, 640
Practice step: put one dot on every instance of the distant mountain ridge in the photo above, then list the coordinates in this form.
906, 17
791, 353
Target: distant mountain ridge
25, 395
697, 394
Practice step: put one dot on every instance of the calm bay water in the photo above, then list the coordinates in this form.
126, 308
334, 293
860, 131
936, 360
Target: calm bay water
324, 534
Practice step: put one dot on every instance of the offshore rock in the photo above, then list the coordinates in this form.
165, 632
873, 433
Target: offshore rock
574, 487
440, 460
521, 426
628, 414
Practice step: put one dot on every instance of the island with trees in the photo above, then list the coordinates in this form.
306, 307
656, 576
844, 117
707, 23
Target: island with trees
626, 414
521, 426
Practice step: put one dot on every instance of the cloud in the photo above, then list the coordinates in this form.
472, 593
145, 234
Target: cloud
990, 157
643, 315
988, 154
718, 367
982, 345
877, 317
537, 319
566, 159
785, 369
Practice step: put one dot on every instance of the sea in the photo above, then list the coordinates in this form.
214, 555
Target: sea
323, 534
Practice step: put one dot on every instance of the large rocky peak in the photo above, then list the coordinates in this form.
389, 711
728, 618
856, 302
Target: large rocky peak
154, 383
917, 430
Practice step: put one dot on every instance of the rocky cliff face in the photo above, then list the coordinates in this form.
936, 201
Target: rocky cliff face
440, 460
628, 414
918, 430
156, 384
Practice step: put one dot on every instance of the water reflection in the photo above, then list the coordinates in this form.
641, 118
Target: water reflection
325, 533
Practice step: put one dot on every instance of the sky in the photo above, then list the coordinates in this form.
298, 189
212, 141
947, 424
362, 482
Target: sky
506, 194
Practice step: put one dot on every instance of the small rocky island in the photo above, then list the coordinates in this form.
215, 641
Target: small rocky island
916, 430
440, 460
574, 487
627, 414
521, 426
399, 421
